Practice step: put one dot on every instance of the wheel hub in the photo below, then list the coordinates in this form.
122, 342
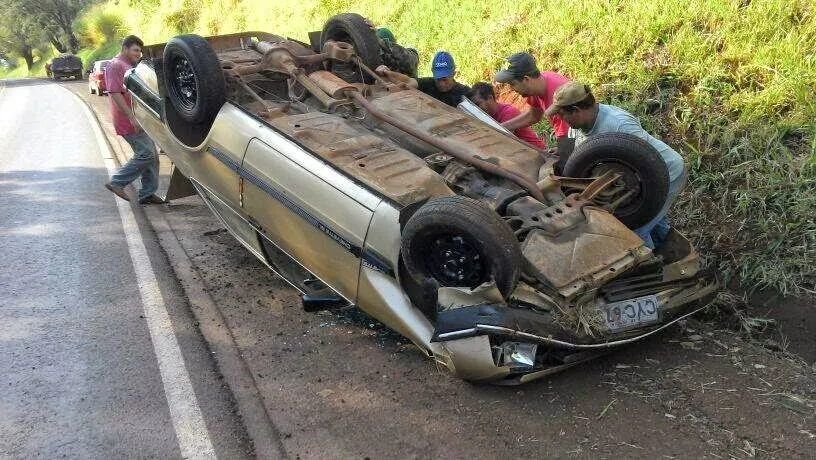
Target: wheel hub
185, 83
454, 261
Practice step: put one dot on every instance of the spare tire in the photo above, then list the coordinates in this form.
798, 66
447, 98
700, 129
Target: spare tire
460, 242
193, 79
644, 173
353, 29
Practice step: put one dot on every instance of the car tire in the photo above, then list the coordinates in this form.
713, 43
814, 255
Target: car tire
644, 171
353, 29
460, 242
193, 78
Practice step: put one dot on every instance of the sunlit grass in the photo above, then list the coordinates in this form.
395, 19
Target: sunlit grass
106, 51
20, 71
730, 83
41, 57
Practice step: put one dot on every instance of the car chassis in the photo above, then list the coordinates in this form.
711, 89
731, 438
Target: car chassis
582, 283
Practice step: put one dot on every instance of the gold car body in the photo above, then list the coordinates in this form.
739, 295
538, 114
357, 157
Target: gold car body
267, 188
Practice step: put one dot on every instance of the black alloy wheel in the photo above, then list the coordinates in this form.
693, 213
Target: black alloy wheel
455, 261
183, 84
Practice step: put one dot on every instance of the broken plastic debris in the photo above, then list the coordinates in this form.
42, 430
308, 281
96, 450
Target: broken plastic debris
518, 354
457, 297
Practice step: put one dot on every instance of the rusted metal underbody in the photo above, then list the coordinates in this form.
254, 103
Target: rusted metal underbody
410, 147
378, 133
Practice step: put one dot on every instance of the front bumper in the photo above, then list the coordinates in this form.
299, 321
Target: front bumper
470, 333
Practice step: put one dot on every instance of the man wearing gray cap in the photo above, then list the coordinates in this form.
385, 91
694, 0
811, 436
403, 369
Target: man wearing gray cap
576, 104
538, 88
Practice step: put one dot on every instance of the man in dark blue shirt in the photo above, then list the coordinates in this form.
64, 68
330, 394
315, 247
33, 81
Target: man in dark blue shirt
442, 86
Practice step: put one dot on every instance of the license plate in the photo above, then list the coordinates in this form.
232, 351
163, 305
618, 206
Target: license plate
630, 313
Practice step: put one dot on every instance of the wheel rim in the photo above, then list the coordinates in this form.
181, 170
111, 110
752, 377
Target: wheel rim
630, 180
183, 84
453, 260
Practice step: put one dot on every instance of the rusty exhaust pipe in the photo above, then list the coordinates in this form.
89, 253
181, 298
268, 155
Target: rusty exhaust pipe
449, 147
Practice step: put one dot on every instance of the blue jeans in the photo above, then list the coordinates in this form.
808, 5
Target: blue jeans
144, 163
655, 231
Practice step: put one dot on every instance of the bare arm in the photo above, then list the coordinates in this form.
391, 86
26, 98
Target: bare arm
525, 119
397, 77
119, 100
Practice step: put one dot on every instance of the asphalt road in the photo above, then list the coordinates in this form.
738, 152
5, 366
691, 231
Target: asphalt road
340, 385
99, 355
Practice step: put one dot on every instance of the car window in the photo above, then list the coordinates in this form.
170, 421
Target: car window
474, 111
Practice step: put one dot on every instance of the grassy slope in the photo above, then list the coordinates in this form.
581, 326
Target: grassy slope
729, 83
106, 51
38, 70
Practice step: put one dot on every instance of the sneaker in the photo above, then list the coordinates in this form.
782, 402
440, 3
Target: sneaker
152, 199
118, 191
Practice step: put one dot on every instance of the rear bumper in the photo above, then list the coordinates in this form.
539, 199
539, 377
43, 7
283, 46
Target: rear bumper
458, 326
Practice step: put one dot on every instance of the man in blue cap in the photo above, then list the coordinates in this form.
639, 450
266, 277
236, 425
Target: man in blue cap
442, 86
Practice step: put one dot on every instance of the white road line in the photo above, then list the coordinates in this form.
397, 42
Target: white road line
194, 440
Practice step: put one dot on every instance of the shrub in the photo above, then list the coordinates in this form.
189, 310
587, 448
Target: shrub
101, 24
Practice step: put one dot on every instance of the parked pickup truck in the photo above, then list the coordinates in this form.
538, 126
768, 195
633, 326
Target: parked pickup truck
65, 66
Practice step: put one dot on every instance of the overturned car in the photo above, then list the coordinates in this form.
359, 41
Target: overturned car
448, 230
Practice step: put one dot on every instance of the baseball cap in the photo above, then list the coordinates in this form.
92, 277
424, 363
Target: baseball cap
521, 64
568, 94
442, 65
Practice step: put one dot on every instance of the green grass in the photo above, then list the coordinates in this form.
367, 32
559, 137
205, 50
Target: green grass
37, 70
106, 51
19, 71
730, 83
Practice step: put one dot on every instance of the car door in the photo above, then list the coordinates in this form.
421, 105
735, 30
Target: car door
214, 167
307, 209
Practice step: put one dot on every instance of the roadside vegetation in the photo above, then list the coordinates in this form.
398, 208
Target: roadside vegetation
730, 83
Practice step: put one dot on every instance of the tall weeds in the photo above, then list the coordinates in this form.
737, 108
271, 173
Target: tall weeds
730, 83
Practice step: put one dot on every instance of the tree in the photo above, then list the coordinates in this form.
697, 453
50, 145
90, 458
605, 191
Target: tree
60, 14
55, 40
20, 34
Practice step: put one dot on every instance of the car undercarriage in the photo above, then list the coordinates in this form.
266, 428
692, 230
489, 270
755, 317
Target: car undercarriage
519, 273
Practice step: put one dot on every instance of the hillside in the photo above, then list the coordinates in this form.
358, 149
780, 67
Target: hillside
729, 83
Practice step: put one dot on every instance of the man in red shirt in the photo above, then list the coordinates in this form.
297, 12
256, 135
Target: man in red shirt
538, 88
482, 94
145, 160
